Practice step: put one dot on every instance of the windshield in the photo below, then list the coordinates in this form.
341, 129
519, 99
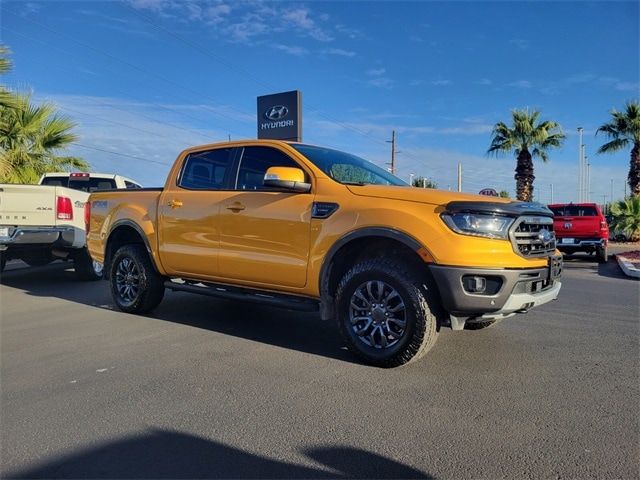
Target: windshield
346, 168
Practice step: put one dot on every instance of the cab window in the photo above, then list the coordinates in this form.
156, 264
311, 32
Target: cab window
254, 163
206, 170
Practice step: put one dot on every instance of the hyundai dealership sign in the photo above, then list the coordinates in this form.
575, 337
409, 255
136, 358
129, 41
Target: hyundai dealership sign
280, 116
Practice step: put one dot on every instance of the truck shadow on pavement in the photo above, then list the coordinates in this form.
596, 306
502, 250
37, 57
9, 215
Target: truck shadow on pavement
288, 329
161, 453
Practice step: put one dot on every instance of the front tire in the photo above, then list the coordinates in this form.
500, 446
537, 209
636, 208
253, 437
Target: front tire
387, 312
136, 287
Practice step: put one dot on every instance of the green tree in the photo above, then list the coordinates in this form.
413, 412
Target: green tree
31, 140
527, 138
503, 194
624, 131
6, 97
626, 217
424, 182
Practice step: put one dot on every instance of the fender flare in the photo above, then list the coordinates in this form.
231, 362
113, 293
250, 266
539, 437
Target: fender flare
326, 301
141, 234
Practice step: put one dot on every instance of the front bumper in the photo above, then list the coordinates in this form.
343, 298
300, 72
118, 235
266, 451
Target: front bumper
23, 237
508, 291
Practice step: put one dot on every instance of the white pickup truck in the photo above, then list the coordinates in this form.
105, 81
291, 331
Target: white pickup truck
45, 222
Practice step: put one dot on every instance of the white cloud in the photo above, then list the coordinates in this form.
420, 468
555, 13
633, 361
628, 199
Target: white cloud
520, 43
340, 52
441, 83
374, 72
520, 84
292, 50
484, 81
628, 87
245, 21
381, 82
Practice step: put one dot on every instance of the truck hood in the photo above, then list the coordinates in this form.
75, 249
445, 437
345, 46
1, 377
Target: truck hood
422, 195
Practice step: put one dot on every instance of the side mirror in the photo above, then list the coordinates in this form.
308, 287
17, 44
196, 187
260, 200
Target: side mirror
286, 178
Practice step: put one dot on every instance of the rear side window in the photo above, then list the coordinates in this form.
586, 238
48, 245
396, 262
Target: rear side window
55, 181
206, 170
575, 211
254, 163
130, 185
92, 184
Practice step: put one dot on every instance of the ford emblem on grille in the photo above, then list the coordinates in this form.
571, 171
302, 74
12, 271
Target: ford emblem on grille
545, 236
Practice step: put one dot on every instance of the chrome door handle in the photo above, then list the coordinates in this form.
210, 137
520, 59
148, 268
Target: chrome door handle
236, 207
175, 204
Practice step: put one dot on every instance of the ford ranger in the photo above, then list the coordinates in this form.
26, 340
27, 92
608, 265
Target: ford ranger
313, 228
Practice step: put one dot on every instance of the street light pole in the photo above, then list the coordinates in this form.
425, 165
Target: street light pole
580, 173
552, 193
588, 187
411, 179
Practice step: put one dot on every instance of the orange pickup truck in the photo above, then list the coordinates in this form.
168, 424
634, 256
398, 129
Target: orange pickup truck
312, 228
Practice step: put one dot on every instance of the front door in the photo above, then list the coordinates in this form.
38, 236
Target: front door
264, 234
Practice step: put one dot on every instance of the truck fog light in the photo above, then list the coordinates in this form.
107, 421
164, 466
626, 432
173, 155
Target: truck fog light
474, 284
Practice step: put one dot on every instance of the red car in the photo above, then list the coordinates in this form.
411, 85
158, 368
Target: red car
581, 227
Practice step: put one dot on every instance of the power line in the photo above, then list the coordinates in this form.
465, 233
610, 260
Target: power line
121, 154
164, 107
245, 73
131, 65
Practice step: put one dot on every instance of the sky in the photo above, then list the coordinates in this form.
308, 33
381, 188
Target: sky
144, 79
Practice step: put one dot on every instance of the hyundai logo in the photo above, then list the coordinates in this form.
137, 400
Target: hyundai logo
567, 226
545, 236
277, 112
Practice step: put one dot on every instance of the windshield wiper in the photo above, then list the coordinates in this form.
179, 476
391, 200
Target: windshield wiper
359, 184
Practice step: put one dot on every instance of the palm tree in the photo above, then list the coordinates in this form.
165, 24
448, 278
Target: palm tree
31, 137
623, 131
527, 139
626, 217
6, 97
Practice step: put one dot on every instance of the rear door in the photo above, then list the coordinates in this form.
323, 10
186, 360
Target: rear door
188, 223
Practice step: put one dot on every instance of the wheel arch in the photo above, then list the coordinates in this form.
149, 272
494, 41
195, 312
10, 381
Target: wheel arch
358, 245
126, 232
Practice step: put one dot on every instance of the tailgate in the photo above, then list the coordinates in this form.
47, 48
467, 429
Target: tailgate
577, 227
27, 205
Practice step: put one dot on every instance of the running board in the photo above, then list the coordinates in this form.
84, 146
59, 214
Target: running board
291, 302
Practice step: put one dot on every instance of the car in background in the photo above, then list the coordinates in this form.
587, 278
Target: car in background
88, 182
45, 222
581, 227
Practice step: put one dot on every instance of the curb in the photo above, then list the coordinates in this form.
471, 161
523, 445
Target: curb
627, 267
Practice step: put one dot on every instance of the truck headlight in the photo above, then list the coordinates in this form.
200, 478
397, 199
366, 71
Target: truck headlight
478, 224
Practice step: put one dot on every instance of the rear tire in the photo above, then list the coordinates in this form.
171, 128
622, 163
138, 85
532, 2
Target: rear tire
85, 268
136, 287
387, 312
603, 254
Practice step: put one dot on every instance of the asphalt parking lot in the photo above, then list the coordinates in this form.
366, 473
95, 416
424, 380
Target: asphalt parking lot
215, 389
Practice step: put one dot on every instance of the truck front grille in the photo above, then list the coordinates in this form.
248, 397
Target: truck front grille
533, 236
